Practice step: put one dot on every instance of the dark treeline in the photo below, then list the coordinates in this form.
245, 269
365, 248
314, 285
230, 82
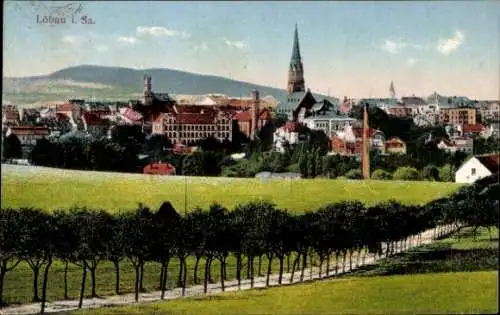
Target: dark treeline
255, 230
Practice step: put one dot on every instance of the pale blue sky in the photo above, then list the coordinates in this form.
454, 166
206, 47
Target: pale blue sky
349, 48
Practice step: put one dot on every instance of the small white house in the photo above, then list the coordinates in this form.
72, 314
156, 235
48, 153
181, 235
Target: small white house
288, 134
477, 167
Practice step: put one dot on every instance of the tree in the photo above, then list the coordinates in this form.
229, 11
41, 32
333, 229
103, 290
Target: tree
41, 154
446, 173
381, 175
10, 234
406, 173
11, 147
430, 172
353, 174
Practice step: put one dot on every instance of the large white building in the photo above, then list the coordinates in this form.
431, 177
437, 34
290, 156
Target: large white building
330, 123
477, 167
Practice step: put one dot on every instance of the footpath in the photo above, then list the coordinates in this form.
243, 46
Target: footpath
197, 290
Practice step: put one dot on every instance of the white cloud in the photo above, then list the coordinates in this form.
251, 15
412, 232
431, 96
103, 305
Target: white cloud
237, 44
160, 31
102, 48
73, 39
392, 47
127, 39
449, 45
411, 61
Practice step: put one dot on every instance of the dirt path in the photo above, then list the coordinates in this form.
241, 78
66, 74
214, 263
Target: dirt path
197, 290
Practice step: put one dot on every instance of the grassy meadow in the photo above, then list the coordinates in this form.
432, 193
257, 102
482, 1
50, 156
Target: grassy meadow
453, 275
51, 189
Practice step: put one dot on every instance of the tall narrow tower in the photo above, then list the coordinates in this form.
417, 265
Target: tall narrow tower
296, 70
255, 114
148, 96
365, 157
392, 92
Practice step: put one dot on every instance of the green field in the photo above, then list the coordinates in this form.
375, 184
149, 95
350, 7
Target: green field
408, 283
59, 189
432, 294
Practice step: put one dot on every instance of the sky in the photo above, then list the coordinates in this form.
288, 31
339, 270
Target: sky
351, 49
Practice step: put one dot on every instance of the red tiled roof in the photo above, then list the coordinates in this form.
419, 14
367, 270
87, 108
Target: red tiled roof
131, 114
159, 168
93, 119
490, 161
195, 119
394, 143
67, 107
11, 115
30, 130
247, 115
472, 128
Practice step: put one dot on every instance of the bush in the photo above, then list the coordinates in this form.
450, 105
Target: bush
430, 172
381, 174
446, 173
353, 174
406, 173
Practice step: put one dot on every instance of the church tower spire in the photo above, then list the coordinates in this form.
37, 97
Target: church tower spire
296, 70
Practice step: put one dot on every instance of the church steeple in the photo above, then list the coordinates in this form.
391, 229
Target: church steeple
296, 71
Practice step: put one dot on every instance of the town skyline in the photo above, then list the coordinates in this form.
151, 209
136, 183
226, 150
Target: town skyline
346, 49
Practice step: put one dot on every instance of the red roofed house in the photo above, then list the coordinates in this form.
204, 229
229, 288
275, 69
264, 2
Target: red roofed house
395, 145
28, 135
95, 125
71, 110
130, 116
187, 124
471, 130
159, 169
10, 117
478, 167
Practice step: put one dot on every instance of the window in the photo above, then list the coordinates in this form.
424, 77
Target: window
473, 171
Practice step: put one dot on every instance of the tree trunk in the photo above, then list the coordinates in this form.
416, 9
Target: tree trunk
36, 271
66, 296
269, 265
282, 261
295, 263
210, 279
321, 259
248, 267
82, 287
337, 254
137, 280
184, 277
250, 262
165, 278
3, 271
311, 258
162, 271
196, 280
116, 263
260, 266
328, 264
238, 270
304, 266
344, 254
288, 262
141, 278
222, 284
92, 275
207, 272
181, 269
44, 285
350, 259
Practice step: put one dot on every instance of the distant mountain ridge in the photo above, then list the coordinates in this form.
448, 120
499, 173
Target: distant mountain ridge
118, 82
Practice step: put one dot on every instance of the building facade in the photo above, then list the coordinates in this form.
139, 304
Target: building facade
187, 124
457, 116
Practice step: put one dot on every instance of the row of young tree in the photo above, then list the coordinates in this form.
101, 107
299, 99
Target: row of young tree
87, 238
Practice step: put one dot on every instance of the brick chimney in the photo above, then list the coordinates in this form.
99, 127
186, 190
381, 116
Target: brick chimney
255, 113
148, 97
